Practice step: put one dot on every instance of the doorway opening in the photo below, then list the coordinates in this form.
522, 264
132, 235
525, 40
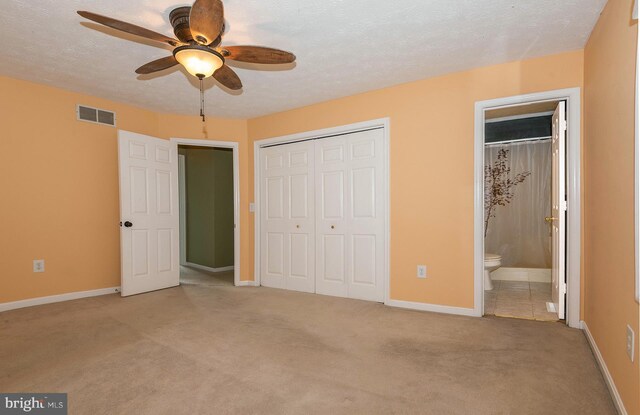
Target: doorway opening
527, 210
518, 226
207, 210
148, 170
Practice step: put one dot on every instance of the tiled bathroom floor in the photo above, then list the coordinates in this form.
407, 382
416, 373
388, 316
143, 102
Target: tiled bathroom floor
519, 299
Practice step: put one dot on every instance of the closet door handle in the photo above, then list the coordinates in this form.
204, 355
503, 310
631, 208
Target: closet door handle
333, 227
550, 219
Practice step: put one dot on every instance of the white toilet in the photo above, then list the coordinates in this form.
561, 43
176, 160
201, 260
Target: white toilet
491, 263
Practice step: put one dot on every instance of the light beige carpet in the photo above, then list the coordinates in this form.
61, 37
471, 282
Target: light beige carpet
216, 350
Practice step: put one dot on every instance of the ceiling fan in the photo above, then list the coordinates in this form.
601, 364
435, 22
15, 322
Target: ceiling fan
199, 31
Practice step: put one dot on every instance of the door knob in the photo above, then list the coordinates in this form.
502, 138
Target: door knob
333, 227
298, 226
128, 224
550, 219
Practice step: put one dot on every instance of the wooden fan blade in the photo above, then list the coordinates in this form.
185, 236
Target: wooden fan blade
206, 20
258, 54
227, 77
157, 65
128, 27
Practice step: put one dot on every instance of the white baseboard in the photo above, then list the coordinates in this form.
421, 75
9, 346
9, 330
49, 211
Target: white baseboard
617, 400
246, 284
522, 274
432, 307
205, 268
57, 298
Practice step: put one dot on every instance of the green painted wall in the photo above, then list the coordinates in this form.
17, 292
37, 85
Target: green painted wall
209, 212
223, 205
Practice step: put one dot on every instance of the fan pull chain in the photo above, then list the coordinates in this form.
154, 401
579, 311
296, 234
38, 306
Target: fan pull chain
202, 99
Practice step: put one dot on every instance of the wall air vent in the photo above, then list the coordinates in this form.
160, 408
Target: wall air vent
96, 115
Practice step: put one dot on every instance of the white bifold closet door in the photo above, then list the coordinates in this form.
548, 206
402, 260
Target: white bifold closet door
287, 217
323, 216
350, 216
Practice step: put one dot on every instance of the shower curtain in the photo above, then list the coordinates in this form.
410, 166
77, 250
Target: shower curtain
518, 231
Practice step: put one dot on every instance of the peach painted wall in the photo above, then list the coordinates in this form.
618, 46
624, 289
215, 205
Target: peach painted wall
430, 224
432, 142
609, 194
59, 181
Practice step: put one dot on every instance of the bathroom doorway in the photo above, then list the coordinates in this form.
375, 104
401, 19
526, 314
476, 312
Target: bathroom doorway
206, 185
526, 250
518, 220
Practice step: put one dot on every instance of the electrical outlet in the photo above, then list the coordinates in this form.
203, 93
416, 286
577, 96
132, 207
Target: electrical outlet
38, 265
422, 271
631, 340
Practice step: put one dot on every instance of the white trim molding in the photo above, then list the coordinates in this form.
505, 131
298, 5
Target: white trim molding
522, 274
57, 298
182, 206
206, 268
519, 117
234, 146
434, 308
383, 123
615, 395
572, 96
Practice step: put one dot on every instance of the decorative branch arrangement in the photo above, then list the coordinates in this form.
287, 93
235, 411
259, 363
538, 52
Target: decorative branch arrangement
499, 186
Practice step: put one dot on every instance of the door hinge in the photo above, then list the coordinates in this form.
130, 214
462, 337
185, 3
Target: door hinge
563, 205
564, 125
562, 288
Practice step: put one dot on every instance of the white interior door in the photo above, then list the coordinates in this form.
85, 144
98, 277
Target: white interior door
149, 240
287, 220
350, 208
332, 225
558, 209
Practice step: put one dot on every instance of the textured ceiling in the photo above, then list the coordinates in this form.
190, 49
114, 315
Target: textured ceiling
343, 46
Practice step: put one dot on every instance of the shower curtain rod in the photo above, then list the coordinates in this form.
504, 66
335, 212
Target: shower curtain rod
525, 140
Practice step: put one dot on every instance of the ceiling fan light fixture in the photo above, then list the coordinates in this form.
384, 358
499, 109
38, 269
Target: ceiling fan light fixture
199, 61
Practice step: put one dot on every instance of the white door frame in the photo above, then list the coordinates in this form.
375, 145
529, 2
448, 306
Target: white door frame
182, 206
383, 123
236, 194
572, 96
